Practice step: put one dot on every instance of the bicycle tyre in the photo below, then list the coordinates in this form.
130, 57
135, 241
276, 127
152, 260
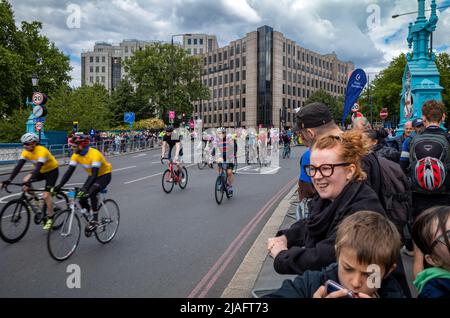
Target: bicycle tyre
201, 165
183, 184
218, 190
167, 175
3, 219
112, 208
60, 224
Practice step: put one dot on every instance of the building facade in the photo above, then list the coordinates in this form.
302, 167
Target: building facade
104, 64
261, 79
198, 44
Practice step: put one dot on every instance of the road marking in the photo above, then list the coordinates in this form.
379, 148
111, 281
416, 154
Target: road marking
219, 267
124, 168
153, 175
139, 155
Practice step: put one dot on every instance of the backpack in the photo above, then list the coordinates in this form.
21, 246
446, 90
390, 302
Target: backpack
430, 152
396, 193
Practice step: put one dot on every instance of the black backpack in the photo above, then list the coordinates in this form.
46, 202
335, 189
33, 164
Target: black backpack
395, 193
436, 147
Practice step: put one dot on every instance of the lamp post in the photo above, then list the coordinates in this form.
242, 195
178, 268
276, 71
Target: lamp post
172, 79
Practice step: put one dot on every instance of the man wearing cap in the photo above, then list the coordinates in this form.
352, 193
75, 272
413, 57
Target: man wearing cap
399, 140
313, 120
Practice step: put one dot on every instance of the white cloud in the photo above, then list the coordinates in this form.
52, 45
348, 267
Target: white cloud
321, 25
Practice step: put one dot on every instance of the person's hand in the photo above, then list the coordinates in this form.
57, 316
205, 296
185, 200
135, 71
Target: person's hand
322, 293
362, 295
5, 183
277, 248
26, 186
273, 240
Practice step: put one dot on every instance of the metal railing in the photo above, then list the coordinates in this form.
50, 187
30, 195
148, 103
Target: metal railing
107, 147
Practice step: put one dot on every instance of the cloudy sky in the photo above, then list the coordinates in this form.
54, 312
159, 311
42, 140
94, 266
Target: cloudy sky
361, 31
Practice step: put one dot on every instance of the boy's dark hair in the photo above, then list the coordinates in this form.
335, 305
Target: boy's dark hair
433, 110
372, 236
422, 233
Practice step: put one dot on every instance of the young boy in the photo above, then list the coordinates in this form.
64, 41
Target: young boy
367, 248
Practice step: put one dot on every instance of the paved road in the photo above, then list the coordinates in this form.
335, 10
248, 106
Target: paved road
168, 245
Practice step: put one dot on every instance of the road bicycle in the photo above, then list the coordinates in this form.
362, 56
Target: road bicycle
64, 236
170, 177
16, 214
207, 159
220, 187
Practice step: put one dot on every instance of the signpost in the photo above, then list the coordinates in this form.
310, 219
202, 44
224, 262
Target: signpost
171, 116
129, 118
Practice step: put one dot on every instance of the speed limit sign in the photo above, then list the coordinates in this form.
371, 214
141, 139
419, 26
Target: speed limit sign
38, 126
38, 98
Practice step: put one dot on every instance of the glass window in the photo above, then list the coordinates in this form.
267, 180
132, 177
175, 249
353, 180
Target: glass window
284, 47
231, 91
220, 92
243, 116
220, 80
284, 60
237, 76
226, 117
225, 92
103, 79
195, 51
225, 55
244, 62
91, 69
232, 64
214, 58
215, 81
284, 75
103, 59
231, 104
97, 69
189, 41
243, 88
97, 59
195, 41
231, 51
244, 75
231, 78
225, 78
231, 117
189, 51
91, 79
201, 41
284, 88
91, 59
237, 63
238, 48
243, 103
103, 69
243, 47
201, 51
220, 57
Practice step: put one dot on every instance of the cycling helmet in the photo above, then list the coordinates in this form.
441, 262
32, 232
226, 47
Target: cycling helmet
169, 128
29, 137
81, 139
221, 130
430, 173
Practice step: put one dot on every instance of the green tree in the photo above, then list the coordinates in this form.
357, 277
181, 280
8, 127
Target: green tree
23, 52
167, 76
13, 126
336, 105
443, 65
89, 105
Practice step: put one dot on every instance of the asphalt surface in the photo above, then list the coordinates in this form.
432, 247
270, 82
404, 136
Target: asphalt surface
180, 244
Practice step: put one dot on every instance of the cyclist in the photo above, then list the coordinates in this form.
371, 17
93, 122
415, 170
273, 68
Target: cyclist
225, 145
171, 140
98, 170
286, 143
45, 168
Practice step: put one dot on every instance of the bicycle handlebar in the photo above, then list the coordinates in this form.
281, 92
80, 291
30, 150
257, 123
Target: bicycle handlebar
162, 160
5, 187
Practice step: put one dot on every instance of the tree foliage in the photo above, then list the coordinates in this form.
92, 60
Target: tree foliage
168, 77
89, 105
23, 52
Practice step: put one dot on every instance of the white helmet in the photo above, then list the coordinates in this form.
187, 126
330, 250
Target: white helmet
29, 137
221, 130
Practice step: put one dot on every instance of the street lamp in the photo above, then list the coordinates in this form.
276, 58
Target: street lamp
172, 65
401, 14
35, 80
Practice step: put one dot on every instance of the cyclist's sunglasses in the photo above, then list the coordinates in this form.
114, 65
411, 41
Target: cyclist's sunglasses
326, 170
27, 143
441, 239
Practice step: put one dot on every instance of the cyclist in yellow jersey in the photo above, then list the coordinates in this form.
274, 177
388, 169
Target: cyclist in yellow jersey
45, 168
99, 174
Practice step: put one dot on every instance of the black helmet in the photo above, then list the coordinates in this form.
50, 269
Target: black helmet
169, 128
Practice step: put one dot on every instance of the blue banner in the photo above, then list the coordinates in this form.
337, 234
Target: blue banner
355, 85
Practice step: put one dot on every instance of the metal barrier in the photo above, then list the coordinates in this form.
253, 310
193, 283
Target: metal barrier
107, 147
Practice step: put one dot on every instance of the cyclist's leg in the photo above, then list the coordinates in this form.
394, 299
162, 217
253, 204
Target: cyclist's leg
230, 174
50, 181
99, 184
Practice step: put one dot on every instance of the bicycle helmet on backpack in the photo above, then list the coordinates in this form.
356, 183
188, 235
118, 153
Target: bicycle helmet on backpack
77, 140
29, 137
221, 130
430, 173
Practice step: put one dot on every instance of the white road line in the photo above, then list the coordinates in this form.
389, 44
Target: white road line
153, 175
139, 155
124, 168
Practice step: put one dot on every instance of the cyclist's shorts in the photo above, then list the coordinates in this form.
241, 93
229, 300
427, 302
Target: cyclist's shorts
226, 165
50, 178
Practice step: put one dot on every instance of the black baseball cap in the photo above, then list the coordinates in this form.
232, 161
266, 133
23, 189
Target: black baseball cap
417, 122
313, 115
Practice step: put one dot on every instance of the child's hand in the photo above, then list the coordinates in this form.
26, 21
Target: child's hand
322, 293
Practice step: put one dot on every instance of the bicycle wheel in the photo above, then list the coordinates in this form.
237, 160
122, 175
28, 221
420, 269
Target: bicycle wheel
184, 178
108, 219
64, 236
14, 221
201, 165
219, 190
167, 181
